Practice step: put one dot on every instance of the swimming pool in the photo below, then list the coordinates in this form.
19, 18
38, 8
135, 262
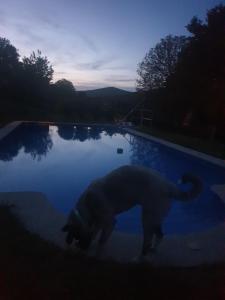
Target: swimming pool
60, 161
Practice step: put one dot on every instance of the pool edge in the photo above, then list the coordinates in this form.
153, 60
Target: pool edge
7, 129
201, 155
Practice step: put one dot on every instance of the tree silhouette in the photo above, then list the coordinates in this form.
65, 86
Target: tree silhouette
10, 146
200, 72
65, 98
79, 133
33, 138
38, 67
36, 140
160, 63
95, 133
37, 74
64, 87
66, 132
9, 65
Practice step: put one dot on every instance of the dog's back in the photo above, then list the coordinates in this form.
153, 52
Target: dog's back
131, 185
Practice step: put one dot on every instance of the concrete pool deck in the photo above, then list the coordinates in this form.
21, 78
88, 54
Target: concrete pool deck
40, 217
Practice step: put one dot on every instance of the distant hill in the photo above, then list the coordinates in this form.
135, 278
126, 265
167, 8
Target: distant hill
107, 92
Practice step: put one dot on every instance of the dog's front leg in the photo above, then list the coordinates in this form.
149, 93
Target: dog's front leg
158, 236
105, 234
149, 230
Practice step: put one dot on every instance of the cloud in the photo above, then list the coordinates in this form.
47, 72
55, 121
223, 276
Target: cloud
89, 43
95, 65
31, 35
26, 37
49, 22
119, 78
61, 73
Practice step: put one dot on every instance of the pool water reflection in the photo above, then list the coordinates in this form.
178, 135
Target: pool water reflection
61, 160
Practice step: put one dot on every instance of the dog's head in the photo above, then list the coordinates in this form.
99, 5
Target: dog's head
78, 232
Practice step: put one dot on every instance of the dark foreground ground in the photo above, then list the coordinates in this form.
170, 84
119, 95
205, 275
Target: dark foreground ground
31, 268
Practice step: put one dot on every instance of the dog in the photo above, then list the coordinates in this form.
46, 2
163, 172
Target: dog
118, 191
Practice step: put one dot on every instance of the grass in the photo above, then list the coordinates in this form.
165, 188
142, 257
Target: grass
35, 269
213, 148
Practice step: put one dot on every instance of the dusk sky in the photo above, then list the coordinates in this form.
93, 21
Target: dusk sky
95, 43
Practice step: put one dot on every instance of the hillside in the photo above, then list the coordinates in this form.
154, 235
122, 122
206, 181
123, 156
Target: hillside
107, 92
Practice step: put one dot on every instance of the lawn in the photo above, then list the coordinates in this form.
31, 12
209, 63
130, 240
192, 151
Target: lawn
35, 269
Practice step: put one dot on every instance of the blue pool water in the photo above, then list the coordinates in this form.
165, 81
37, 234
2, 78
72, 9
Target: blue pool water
61, 160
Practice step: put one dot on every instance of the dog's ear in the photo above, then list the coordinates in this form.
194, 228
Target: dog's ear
65, 228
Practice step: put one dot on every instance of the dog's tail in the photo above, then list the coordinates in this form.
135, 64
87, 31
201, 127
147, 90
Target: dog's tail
193, 192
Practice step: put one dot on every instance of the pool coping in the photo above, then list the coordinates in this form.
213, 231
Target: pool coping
195, 153
7, 129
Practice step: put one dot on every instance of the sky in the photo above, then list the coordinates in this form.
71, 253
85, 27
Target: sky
96, 43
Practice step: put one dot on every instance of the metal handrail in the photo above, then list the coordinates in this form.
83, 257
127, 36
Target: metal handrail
132, 110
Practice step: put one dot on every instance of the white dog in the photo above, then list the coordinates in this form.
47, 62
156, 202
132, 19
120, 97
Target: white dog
117, 192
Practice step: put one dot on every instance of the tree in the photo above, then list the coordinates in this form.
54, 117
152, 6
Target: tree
160, 63
203, 59
38, 68
37, 74
64, 95
200, 72
9, 64
65, 87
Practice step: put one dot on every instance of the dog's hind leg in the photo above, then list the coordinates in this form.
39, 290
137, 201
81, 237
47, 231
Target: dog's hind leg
148, 232
151, 230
